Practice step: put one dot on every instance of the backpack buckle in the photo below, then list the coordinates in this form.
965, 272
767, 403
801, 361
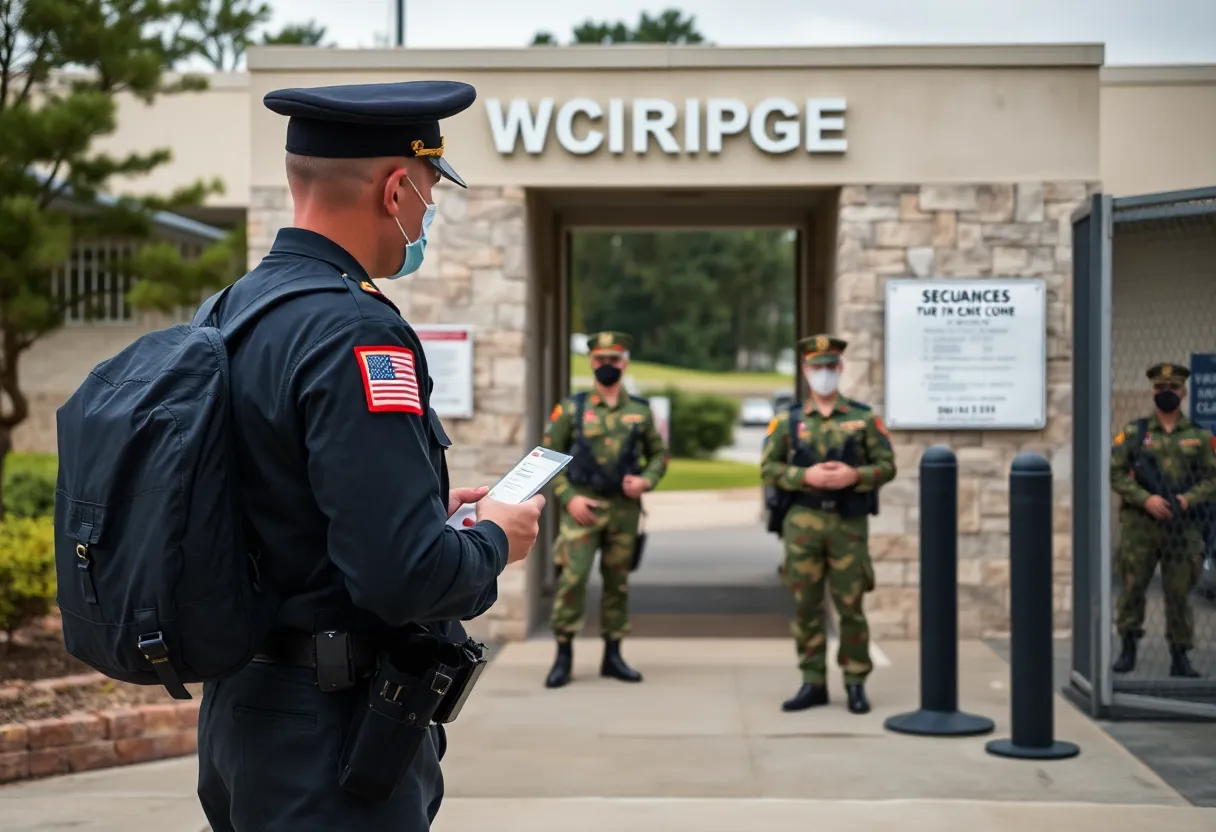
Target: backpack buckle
154, 648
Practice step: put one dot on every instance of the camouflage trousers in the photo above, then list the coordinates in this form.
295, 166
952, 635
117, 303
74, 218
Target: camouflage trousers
1145, 542
613, 534
822, 547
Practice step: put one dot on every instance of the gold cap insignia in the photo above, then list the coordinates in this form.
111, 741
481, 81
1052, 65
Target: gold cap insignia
822, 343
1166, 370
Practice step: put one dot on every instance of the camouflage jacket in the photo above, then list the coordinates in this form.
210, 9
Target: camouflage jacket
1188, 453
606, 429
826, 433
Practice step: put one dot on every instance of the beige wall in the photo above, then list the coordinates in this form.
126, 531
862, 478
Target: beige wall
1158, 128
905, 122
208, 132
935, 115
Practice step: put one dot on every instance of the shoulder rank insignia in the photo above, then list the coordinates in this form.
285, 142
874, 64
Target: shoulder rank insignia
368, 286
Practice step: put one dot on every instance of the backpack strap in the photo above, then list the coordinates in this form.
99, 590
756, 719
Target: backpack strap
580, 404
212, 310
795, 412
640, 399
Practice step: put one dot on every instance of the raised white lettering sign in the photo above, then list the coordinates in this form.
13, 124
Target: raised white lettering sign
775, 125
966, 354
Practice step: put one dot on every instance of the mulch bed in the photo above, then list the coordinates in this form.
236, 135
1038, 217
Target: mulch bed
39, 680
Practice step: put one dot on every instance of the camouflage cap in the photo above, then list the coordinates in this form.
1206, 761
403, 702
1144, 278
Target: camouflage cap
609, 343
1168, 372
822, 349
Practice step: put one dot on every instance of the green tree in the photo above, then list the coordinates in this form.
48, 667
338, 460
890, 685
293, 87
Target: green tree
220, 31
668, 26
62, 62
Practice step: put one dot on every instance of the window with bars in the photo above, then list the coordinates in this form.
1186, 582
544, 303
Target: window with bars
92, 285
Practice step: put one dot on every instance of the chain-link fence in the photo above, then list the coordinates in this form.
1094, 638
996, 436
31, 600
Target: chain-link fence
1144, 458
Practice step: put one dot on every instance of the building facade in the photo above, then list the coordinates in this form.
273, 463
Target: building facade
906, 162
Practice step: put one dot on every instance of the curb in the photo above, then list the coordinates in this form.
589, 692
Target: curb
103, 739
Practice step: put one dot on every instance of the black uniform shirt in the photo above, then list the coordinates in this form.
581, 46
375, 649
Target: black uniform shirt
342, 460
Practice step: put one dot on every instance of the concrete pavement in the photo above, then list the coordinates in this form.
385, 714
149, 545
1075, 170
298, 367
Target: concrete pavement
702, 744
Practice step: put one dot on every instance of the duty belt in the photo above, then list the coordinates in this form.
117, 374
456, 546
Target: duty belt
340, 659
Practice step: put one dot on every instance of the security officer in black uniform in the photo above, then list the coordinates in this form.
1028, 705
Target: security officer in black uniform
346, 489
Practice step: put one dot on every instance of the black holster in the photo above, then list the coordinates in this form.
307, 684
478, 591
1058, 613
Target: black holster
400, 707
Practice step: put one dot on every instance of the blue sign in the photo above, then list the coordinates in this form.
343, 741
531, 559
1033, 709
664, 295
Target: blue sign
1203, 389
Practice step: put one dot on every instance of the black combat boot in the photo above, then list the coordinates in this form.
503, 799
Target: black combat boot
1180, 665
808, 696
1127, 659
858, 704
560, 674
614, 666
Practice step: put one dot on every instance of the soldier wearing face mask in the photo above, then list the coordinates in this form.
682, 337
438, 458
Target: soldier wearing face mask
618, 456
832, 454
1163, 467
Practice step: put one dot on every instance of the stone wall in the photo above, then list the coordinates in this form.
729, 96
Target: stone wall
1004, 230
474, 273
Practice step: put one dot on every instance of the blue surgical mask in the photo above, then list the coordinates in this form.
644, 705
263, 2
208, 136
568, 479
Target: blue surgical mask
415, 250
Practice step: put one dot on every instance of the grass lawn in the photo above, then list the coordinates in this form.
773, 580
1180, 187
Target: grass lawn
653, 376
707, 474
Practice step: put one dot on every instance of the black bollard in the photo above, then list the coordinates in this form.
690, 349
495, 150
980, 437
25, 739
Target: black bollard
939, 715
1030, 670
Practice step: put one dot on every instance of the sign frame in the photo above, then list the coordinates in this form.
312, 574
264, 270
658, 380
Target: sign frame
891, 285
1201, 363
466, 407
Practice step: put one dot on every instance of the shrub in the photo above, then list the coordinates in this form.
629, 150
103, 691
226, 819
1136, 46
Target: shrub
700, 424
29, 484
27, 571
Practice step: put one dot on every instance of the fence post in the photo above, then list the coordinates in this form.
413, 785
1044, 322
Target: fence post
1030, 516
939, 715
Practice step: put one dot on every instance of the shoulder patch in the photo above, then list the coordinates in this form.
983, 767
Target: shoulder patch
772, 426
1214, 442
557, 411
1120, 438
390, 379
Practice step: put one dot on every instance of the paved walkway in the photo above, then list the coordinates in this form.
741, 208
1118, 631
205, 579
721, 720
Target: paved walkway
702, 745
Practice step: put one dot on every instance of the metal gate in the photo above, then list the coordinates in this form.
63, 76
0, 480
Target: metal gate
1144, 292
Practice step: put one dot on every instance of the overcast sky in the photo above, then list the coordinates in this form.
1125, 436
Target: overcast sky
1134, 31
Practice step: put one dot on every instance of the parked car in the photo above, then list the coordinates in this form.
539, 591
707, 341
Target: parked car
755, 412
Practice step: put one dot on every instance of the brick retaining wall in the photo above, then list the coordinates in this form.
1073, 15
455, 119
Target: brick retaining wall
85, 742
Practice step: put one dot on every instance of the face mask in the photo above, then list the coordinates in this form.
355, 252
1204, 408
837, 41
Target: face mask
607, 375
823, 382
414, 251
1167, 401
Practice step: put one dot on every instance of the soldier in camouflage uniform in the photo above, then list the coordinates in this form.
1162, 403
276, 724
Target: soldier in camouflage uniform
592, 519
826, 529
1162, 467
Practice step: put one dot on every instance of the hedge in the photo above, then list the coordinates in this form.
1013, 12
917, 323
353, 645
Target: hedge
27, 571
29, 484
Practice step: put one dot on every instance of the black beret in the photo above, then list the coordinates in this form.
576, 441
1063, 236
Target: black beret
363, 121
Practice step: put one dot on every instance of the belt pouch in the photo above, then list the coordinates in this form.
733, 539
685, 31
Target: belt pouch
388, 730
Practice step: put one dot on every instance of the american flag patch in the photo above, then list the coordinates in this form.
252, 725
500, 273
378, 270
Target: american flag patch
390, 379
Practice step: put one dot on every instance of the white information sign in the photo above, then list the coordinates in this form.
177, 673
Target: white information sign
449, 358
966, 354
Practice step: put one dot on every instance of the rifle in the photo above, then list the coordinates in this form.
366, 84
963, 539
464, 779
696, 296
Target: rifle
1146, 468
779, 501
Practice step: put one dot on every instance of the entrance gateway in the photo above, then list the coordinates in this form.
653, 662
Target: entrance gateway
949, 165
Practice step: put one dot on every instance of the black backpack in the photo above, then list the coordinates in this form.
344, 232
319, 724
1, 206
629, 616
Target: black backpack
157, 572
